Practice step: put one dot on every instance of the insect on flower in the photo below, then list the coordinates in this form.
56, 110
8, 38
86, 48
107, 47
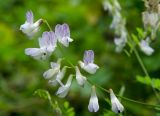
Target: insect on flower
29, 27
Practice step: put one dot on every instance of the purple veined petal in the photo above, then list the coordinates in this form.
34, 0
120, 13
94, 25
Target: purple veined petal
66, 30
58, 31
53, 39
88, 57
29, 16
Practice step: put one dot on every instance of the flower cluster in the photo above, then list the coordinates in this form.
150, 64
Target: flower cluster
55, 74
118, 23
151, 21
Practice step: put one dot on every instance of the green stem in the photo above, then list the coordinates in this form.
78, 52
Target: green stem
46, 22
124, 98
140, 62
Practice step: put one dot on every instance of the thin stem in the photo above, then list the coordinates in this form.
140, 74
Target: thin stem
141, 62
124, 98
45, 21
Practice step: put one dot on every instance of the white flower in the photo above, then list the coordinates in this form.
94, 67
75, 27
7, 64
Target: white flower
117, 107
116, 20
150, 19
58, 77
93, 102
88, 62
47, 45
63, 34
29, 28
145, 48
64, 89
54, 70
121, 42
107, 6
80, 78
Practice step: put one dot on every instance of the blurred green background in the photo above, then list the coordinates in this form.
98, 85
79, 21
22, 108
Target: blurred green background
21, 75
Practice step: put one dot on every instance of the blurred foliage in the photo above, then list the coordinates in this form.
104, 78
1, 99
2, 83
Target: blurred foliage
21, 76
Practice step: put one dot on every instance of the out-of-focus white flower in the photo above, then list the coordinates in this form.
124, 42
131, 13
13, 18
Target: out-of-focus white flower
63, 34
47, 45
54, 70
107, 6
58, 77
121, 42
150, 19
64, 89
117, 107
88, 62
29, 27
116, 20
80, 78
145, 48
93, 102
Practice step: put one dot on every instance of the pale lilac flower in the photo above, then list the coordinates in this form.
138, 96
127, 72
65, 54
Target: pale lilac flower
88, 62
117, 107
145, 48
47, 45
63, 34
150, 19
93, 102
79, 77
58, 77
53, 71
29, 27
64, 89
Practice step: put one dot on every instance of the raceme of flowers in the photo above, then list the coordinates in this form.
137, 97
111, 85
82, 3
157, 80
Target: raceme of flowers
118, 23
150, 18
55, 74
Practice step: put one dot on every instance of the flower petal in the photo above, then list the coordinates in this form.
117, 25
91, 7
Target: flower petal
93, 102
63, 90
29, 17
80, 78
117, 107
88, 57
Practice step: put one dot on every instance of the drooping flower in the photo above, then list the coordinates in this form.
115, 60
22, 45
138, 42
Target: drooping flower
117, 107
145, 48
93, 102
54, 70
64, 89
47, 43
88, 62
29, 27
62, 33
79, 77
58, 77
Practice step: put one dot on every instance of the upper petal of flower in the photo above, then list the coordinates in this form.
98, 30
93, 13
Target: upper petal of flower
29, 17
88, 57
93, 102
